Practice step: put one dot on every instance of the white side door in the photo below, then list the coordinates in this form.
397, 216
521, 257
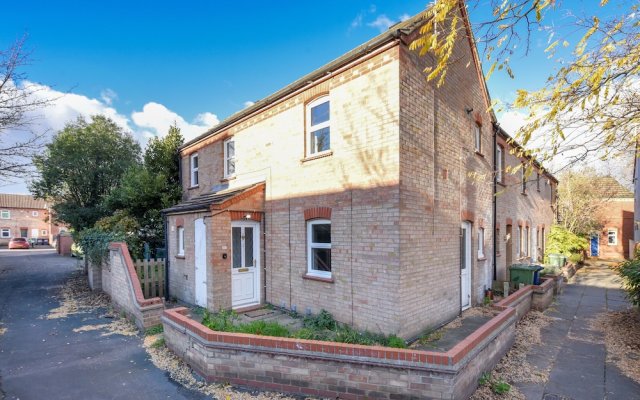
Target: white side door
465, 265
200, 243
245, 263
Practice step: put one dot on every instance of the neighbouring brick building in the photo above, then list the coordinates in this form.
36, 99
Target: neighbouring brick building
23, 216
361, 189
636, 193
616, 218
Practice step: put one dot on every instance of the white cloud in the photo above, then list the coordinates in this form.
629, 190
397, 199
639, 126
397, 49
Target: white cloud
248, 104
382, 23
357, 21
156, 119
108, 96
511, 121
404, 17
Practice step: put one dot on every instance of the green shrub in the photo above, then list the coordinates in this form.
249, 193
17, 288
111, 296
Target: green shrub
265, 328
575, 258
395, 341
630, 273
562, 241
222, 321
94, 242
324, 320
154, 330
500, 387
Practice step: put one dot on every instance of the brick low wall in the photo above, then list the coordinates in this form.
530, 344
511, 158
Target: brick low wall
118, 278
328, 369
542, 295
520, 300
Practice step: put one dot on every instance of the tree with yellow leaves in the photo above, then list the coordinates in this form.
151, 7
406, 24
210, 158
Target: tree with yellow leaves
589, 104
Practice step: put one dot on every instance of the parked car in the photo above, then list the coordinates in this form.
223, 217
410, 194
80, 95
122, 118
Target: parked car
19, 243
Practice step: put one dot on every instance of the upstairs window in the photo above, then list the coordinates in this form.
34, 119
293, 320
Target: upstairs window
499, 163
181, 241
194, 170
538, 181
477, 138
523, 177
319, 248
34, 213
229, 158
5, 214
319, 125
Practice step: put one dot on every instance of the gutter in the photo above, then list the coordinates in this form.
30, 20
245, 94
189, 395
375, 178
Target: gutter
166, 257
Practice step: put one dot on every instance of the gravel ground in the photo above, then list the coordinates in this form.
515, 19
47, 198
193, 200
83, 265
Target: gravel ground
622, 340
514, 366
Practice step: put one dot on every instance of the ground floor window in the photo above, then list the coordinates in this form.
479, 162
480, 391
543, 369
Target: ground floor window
612, 237
319, 248
481, 243
181, 241
24, 232
43, 232
5, 232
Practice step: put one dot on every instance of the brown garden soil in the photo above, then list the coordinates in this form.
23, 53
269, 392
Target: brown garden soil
514, 367
622, 340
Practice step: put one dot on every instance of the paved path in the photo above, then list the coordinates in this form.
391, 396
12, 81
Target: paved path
575, 352
45, 359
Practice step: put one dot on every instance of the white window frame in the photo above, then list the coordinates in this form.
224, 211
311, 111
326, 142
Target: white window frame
5, 233
181, 240
519, 242
34, 213
523, 179
43, 232
477, 137
5, 212
615, 236
527, 241
499, 166
312, 245
310, 129
227, 158
538, 181
194, 170
480, 243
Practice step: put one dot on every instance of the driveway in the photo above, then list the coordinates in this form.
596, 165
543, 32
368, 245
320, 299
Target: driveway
44, 358
573, 350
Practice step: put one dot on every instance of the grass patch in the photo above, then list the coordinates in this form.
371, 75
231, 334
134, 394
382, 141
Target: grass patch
158, 343
316, 327
154, 330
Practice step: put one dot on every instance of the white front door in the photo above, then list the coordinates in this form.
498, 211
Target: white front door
245, 263
200, 244
35, 233
465, 265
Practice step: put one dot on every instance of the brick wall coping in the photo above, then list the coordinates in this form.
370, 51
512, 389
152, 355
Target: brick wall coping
315, 348
545, 286
513, 297
133, 276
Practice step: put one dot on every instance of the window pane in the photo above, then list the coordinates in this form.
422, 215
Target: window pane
231, 167
194, 162
321, 233
320, 140
320, 113
248, 247
231, 149
321, 260
236, 244
195, 178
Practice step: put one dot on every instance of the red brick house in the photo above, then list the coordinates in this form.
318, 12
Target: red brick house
360, 188
23, 216
616, 218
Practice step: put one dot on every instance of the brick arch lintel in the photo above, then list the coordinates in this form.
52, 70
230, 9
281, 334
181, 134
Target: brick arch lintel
239, 215
317, 212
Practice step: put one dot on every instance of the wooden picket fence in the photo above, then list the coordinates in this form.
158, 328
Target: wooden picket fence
151, 275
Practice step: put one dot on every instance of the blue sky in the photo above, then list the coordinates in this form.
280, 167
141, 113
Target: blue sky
147, 63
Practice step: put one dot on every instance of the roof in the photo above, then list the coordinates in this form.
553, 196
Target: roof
390, 35
204, 201
611, 187
21, 201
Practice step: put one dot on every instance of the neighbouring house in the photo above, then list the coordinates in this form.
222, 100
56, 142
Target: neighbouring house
616, 217
525, 208
361, 189
22, 215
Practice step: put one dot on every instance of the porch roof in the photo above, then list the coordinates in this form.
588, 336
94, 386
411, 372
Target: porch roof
204, 202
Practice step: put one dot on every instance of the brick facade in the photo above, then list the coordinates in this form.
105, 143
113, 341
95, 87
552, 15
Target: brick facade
31, 223
616, 214
401, 175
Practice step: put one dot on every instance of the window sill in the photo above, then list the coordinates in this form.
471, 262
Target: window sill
227, 179
193, 187
483, 258
501, 183
315, 156
180, 257
318, 278
498, 254
478, 153
524, 193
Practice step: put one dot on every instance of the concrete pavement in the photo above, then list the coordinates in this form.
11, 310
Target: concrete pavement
573, 350
45, 359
